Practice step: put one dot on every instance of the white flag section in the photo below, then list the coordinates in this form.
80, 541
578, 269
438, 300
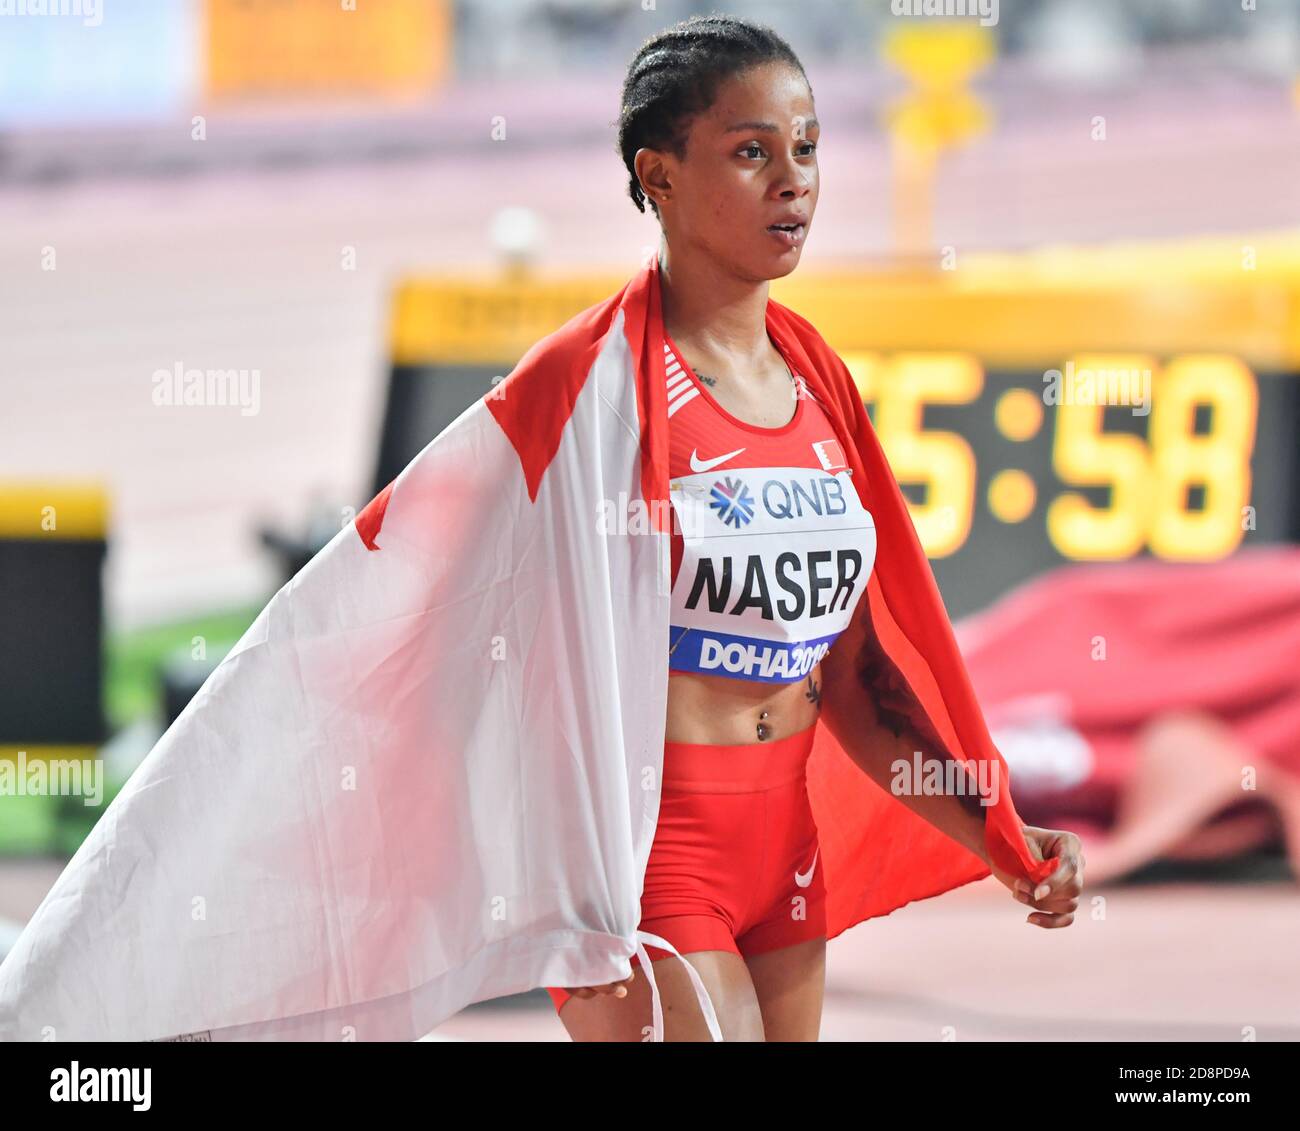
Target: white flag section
426, 776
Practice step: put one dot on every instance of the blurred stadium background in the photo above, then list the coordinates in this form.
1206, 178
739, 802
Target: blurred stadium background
375, 210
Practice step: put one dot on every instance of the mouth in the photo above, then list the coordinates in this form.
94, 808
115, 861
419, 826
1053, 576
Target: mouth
790, 235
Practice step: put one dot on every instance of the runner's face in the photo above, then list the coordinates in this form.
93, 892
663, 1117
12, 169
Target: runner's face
750, 161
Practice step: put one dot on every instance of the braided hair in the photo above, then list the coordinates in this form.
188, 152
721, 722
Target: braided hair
675, 75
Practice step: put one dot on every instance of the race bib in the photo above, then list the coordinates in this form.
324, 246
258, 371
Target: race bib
774, 561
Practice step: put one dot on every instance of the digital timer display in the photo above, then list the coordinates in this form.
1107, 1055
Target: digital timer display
1009, 472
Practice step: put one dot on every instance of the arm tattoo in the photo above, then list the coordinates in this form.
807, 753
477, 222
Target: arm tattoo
900, 712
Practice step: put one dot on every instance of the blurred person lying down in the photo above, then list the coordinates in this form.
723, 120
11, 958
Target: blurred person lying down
1151, 706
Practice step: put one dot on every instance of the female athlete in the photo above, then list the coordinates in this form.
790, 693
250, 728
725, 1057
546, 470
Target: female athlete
719, 133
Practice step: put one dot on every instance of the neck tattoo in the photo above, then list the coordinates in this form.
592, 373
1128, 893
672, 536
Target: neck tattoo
712, 381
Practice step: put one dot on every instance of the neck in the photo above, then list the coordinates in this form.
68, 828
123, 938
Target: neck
709, 308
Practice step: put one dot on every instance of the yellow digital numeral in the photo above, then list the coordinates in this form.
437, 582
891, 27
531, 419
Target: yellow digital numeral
1083, 454
942, 461
1219, 460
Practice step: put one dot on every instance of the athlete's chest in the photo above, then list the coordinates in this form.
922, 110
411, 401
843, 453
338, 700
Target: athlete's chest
704, 436
744, 497
772, 546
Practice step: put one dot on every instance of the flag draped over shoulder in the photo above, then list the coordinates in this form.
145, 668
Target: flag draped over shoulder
427, 775
878, 854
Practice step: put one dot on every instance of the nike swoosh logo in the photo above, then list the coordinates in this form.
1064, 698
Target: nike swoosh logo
803, 879
698, 464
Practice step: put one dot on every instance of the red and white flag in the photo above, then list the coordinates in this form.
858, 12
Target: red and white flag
427, 774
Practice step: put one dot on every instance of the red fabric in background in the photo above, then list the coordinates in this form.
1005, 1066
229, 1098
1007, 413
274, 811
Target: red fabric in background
1221, 637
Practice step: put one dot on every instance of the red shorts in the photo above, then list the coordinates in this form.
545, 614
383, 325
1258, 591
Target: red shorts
733, 865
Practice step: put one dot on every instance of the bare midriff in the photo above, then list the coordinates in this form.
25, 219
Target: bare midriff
722, 711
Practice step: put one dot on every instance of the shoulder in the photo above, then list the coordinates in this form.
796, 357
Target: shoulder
843, 396
829, 365
573, 345
791, 319
535, 400
805, 333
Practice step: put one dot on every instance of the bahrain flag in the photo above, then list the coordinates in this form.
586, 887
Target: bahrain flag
427, 774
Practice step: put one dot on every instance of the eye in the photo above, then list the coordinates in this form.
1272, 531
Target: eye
811, 147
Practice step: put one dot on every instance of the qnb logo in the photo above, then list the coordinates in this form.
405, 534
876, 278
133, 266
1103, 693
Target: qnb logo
733, 502
101, 1085
823, 497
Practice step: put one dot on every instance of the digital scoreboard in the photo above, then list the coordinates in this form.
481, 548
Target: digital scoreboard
1002, 485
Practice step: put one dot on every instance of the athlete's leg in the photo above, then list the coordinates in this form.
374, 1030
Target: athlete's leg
784, 942
702, 875
726, 979
790, 984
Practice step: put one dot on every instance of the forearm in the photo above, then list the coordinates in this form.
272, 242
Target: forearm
879, 721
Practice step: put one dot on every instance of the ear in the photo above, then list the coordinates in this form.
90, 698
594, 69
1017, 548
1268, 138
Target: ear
653, 173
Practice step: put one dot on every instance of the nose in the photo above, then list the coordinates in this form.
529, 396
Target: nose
796, 181
795, 188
